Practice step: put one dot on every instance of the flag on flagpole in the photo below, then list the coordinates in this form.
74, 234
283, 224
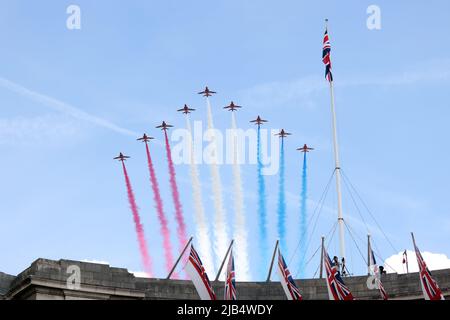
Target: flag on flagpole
326, 56
196, 271
230, 282
405, 260
430, 287
375, 271
337, 290
290, 288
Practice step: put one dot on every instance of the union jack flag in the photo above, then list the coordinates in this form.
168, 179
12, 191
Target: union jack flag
326, 56
199, 278
290, 288
230, 282
337, 290
376, 272
430, 287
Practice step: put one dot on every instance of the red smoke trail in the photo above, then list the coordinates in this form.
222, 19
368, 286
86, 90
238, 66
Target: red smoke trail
139, 228
176, 197
161, 215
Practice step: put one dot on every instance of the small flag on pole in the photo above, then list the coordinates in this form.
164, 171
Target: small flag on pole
230, 282
405, 260
326, 56
375, 270
337, 290
430, 287
196, 271
290, 288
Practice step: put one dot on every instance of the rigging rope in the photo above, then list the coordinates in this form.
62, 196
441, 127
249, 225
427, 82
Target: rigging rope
329, 243
318, 212
316, 215
356, 244
376, 251
368, 210
333, 229
356, 205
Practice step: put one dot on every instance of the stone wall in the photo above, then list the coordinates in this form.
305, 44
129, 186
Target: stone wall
5, 283
47, 279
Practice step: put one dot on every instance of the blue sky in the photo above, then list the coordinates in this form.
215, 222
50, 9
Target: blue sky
134, 64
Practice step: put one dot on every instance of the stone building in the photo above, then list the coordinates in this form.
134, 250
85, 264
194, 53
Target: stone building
69, 280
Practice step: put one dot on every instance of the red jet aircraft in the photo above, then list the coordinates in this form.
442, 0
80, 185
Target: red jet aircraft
164, 126
145, 138
232, 107
258, 121
186, 109
121, 157
305, 148
207, 92
283, 134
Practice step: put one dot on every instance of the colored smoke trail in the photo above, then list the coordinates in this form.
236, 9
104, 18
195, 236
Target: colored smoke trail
282, 203
181, 228
262, 214
146, 261
303, 219
242, 265
203, 235
220, 226
160, 211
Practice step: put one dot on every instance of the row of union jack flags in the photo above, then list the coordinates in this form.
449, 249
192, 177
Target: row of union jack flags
337, 289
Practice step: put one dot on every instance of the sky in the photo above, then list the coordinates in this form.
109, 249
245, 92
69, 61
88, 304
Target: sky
71, 100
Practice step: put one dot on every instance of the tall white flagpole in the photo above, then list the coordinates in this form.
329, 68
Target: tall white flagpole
337, 169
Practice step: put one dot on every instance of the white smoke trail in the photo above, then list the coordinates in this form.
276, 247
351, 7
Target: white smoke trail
63, 107
242, 263
220, 226
203, 237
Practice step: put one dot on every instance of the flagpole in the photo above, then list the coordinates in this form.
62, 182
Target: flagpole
368, 254
415, 250
405, 258
414, 243
337, 169
321, 257
179, 258
223, 261
273, 259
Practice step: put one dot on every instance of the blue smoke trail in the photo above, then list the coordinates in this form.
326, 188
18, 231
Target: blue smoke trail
282, 203
262, 213
303, 219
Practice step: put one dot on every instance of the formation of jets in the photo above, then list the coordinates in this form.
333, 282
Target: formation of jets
232, 107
